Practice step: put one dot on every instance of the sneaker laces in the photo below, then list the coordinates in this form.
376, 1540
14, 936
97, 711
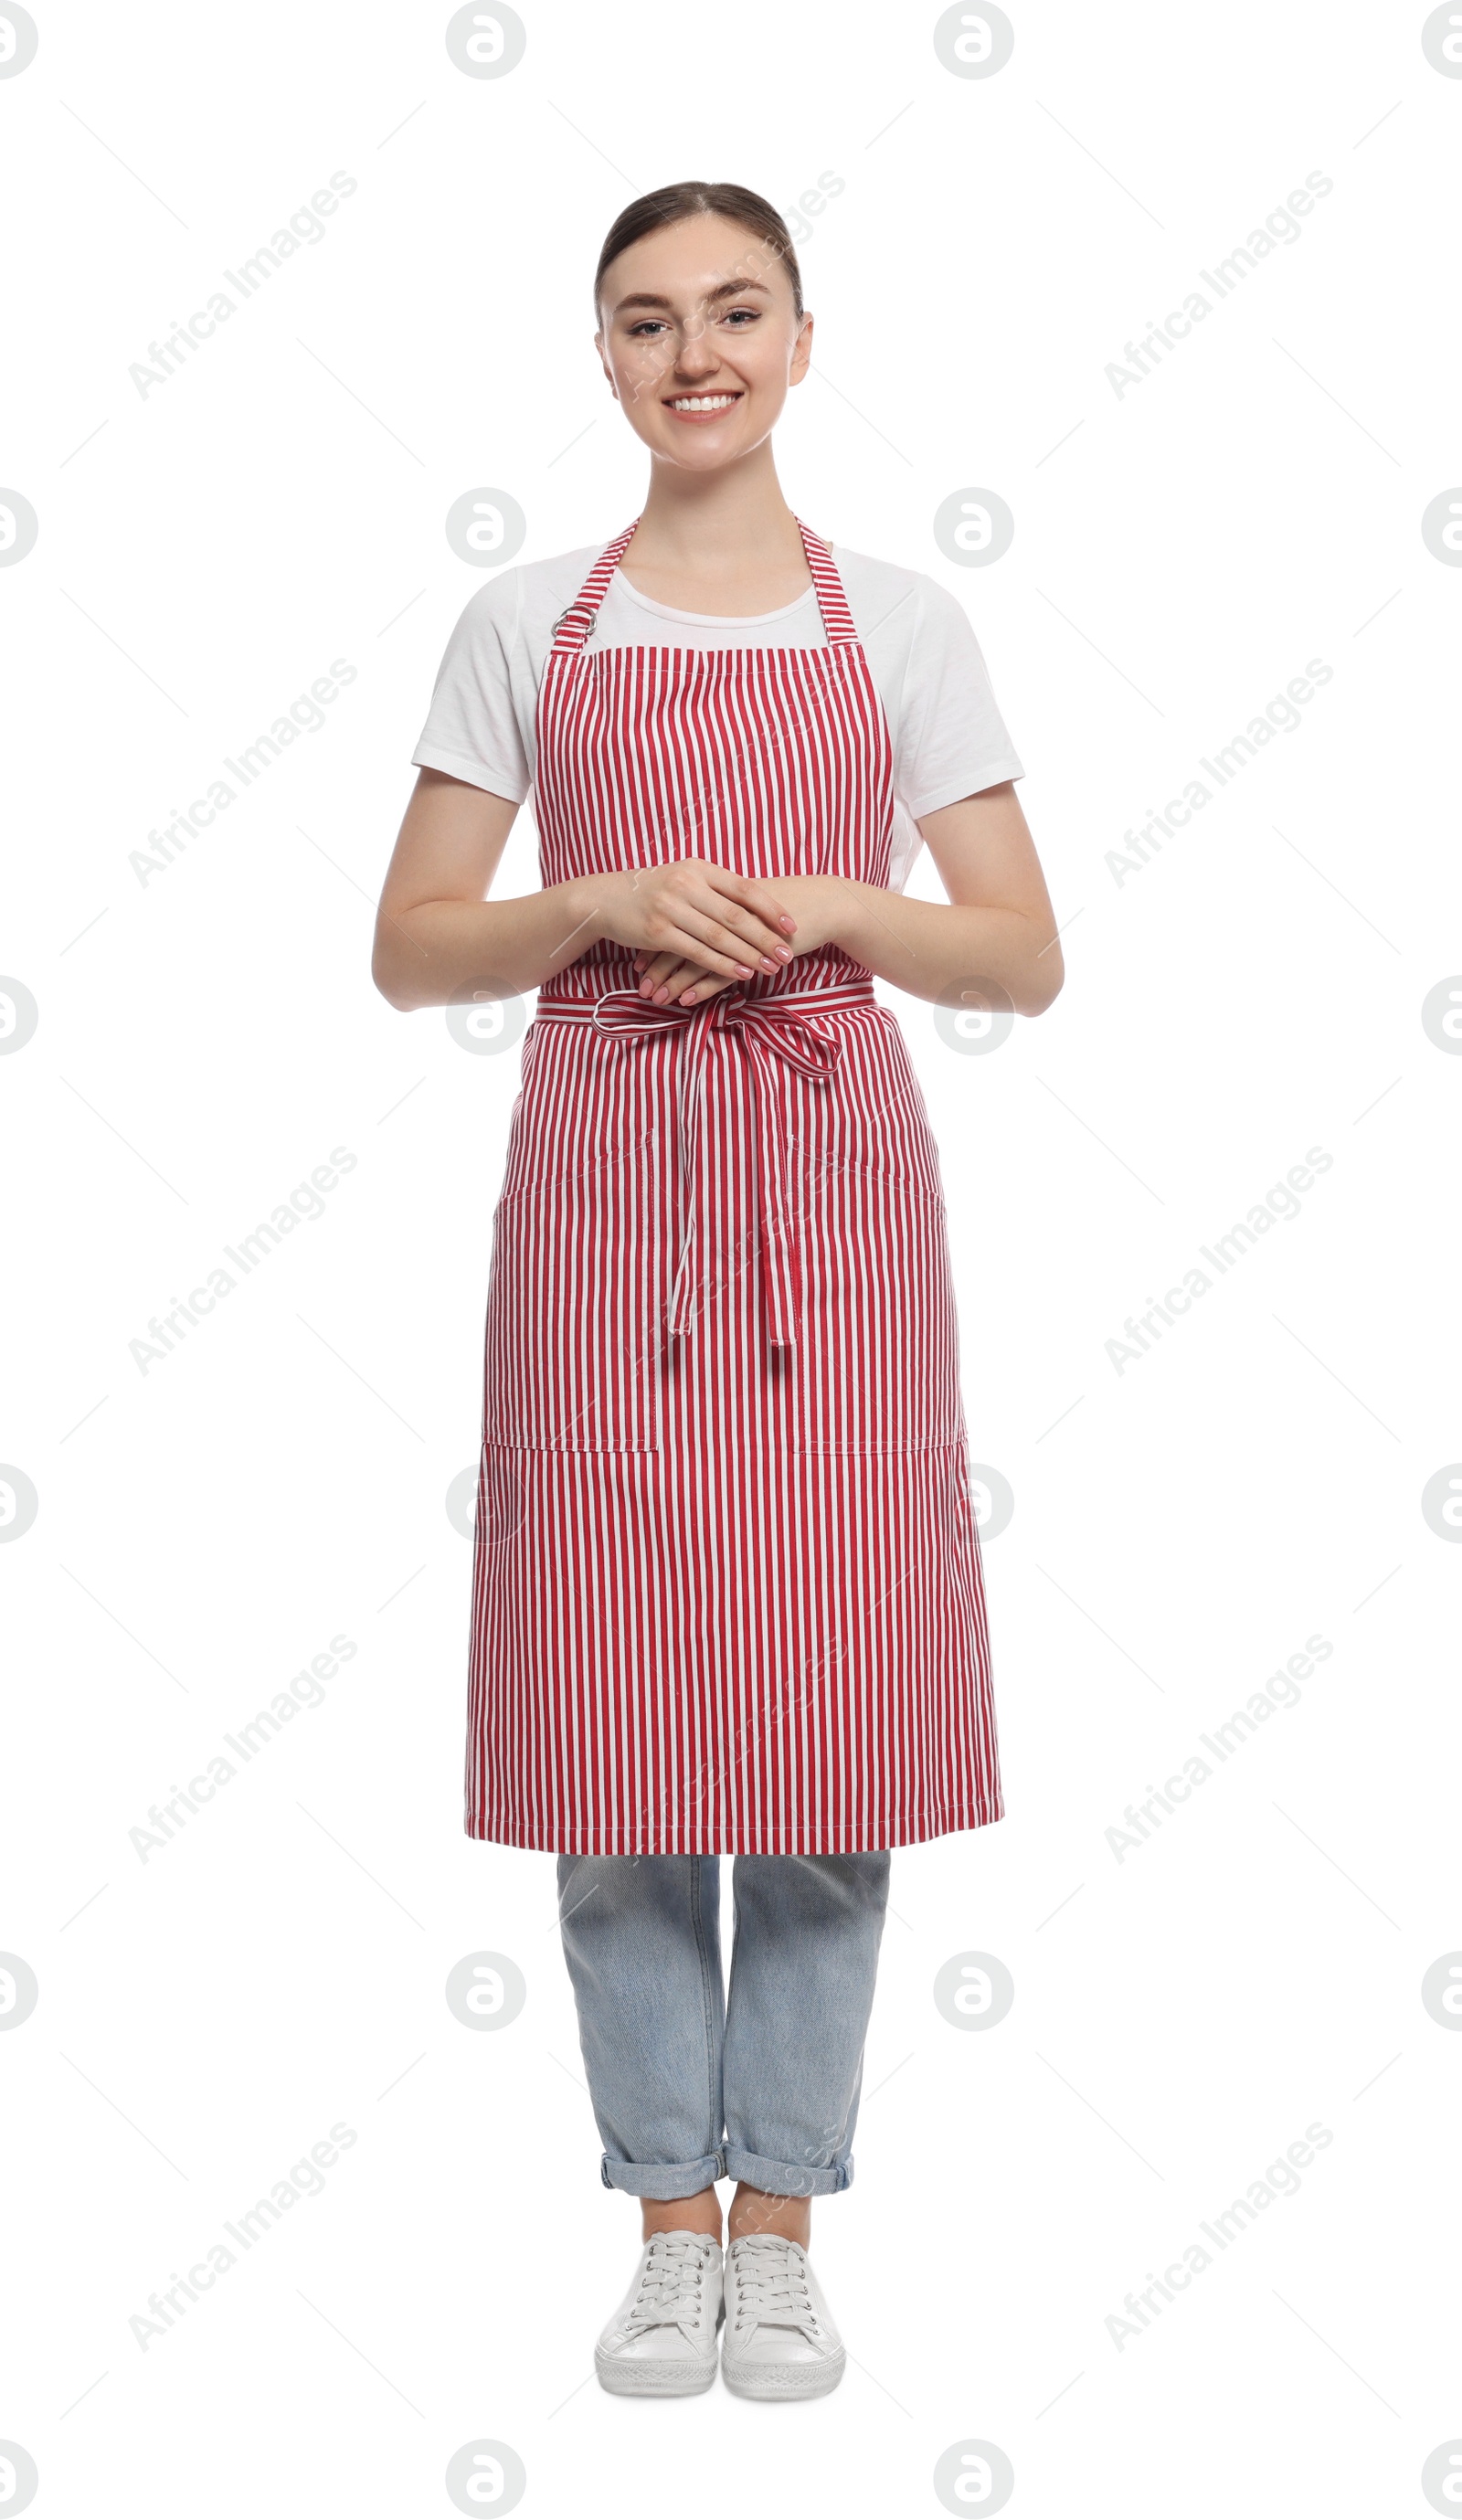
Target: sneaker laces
771, 2282
669, 2286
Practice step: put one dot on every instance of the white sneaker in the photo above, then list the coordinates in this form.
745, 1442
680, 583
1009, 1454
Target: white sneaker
660, 2342
780, 2340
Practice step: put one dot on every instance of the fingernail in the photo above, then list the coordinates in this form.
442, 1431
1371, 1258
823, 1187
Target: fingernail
786, 953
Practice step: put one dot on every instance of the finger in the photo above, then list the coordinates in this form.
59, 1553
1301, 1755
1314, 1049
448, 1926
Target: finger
729, 961
760, 899
738, 938
659, 968
686, 984
708, 927
665, 972
703, 912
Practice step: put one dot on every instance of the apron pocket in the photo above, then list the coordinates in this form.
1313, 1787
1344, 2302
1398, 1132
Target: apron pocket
570, 1310
877, 1351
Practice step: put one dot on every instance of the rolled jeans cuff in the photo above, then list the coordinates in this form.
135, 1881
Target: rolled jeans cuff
785, 2177
661, 2179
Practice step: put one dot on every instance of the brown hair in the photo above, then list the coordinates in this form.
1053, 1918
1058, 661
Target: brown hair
675, 202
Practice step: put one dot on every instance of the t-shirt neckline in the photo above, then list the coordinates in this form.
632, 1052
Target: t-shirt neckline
711, 620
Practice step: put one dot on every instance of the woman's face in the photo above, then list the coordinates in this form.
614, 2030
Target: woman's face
701, 341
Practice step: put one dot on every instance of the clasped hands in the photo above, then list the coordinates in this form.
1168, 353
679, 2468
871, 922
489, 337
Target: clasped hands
697, 928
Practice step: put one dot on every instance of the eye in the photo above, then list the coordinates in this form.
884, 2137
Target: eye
753, 315
648, 323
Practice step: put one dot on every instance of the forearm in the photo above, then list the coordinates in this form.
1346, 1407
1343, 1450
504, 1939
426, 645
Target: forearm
505, 948
930, 948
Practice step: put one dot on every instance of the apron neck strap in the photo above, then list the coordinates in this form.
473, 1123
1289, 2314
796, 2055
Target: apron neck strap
832, 602
575, 621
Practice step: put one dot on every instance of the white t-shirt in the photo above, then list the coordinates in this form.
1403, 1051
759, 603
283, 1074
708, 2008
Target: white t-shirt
948, 738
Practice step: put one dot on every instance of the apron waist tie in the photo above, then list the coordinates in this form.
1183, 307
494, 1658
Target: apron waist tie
775, 1025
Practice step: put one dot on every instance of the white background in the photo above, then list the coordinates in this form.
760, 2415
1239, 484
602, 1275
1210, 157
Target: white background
206, 1036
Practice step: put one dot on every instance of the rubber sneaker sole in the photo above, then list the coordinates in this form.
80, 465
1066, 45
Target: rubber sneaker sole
784, 2379
641, 2377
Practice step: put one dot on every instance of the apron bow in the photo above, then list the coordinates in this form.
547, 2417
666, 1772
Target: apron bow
771, 1028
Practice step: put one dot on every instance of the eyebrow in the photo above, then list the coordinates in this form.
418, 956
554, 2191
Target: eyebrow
712, 297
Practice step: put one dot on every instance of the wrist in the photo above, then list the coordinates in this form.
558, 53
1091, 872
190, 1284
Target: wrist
848, 914
586, 901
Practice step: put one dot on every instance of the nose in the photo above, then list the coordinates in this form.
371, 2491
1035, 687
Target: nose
696, 356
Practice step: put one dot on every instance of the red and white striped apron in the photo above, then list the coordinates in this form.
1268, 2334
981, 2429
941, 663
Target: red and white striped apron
727, 1592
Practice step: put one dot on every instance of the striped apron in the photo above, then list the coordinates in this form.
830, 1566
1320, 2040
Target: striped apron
727, 1593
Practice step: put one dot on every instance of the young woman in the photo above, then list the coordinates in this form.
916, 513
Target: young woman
727, 1592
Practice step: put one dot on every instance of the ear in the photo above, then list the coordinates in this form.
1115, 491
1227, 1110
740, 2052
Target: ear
802, 356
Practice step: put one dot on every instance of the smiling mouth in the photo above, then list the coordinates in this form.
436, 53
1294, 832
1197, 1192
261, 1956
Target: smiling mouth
701, 406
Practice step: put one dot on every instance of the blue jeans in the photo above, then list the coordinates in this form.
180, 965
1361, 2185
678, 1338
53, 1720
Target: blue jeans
692, 2082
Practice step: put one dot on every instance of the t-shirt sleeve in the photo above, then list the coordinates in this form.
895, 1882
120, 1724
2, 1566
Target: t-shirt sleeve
471, 730
953, 739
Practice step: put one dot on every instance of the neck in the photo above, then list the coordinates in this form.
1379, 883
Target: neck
715, 521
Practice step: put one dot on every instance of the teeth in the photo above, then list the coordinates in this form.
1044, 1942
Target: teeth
703, 402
